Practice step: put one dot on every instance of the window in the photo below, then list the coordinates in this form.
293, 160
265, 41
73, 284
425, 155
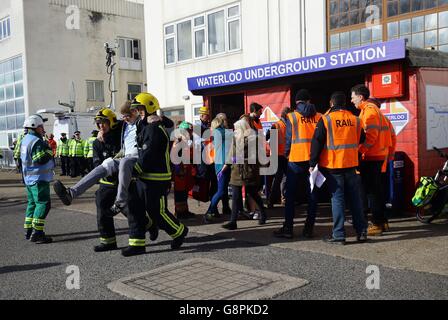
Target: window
397, 7
133, 90
426, 31
211, 33
184, 49
12, 106
95, 91
5, 28
356, 37
216, 33
421, 22
129, 49
344, 13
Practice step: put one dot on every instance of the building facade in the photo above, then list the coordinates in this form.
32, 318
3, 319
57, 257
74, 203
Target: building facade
352, 23
186, 39
53, 50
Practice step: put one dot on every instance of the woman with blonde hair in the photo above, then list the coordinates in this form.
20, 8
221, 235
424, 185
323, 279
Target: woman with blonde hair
245, 171
222, 140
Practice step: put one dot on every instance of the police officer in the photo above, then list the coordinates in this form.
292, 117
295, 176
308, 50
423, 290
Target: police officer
300, 127
153, 166
335, 148
37, 170
374, 151
88, 151
63, 152
76, 152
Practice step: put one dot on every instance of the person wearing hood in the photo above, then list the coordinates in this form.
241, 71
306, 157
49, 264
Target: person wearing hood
300, 127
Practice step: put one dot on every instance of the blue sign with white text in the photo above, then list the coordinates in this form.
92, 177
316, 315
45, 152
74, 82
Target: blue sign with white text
380, 52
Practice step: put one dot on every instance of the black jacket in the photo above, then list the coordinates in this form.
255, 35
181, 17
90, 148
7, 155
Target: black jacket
108, 149
320, 140
153, 152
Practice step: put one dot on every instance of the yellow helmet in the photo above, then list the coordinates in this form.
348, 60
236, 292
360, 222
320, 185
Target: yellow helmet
148, 101
204, 111
107, 114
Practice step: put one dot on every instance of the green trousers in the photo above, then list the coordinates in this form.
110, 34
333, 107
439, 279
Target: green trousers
39, 204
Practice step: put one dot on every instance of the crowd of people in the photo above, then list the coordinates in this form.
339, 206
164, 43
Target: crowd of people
133, 161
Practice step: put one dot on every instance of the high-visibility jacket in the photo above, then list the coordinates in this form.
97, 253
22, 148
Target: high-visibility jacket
63, 148
88, 147
53, 145
17, 146
281, 131
391, 143
375, 147
32, 171
343, 135
302, 135
76, 148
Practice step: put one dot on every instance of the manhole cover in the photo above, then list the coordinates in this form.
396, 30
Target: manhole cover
205, 279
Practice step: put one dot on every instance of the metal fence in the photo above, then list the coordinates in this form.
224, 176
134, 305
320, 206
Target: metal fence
7, 162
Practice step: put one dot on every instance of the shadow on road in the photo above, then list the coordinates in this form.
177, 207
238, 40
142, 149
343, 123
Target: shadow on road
27, 267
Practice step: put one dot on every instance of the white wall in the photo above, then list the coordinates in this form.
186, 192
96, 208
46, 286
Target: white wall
57, 56
13, 46
270, 33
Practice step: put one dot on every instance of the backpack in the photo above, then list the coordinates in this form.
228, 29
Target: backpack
425, 192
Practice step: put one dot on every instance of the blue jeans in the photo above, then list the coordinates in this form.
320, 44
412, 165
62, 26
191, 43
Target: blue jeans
222, 193
340, 184
296, 172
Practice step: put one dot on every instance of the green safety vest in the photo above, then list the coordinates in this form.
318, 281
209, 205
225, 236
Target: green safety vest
76, 148
88, 147
63, 148
18, 145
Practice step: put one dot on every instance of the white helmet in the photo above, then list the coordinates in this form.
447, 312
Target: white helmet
33, 122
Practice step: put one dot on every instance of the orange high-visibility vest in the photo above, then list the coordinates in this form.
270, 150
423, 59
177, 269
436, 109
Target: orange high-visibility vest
376, 147
343, 134
391, 142
281, 131
302, 135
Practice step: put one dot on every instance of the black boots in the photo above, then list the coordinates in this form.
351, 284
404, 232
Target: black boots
105, 247
39, 237
63, 193
230, 225
133, 251
177, 243
284, 232
28, 234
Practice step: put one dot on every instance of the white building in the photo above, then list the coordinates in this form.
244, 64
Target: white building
46, 45
208, 36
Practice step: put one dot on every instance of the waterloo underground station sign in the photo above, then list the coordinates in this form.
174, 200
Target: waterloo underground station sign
381, 52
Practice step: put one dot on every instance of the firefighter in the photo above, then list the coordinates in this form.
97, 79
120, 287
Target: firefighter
88, 151
105, 148
76, 153
301, 125
374, 151
37, 170
62, 152
335, 148
153, 166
